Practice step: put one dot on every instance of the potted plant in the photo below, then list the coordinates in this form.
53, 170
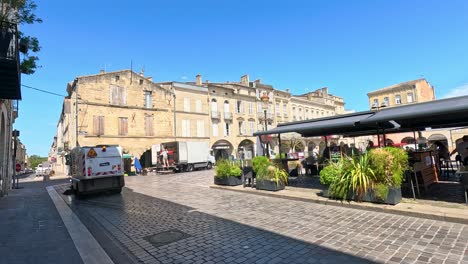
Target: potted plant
373, 177
271, 178
330, 173
227, 174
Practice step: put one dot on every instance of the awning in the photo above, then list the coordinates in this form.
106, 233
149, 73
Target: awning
444, 113
127, 156
334, 125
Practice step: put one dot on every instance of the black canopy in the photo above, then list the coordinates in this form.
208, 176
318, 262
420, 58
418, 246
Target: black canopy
445, 113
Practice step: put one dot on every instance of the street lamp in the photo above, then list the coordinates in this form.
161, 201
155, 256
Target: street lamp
265, 102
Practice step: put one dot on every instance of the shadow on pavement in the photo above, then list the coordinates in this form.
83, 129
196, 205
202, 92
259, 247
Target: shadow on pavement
132, 218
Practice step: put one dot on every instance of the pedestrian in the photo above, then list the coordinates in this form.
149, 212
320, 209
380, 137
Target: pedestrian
164, 158
462, 149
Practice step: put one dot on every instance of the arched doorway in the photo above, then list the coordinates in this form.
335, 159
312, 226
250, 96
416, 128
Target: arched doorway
437, 137
222, 149
246, 149
408, 140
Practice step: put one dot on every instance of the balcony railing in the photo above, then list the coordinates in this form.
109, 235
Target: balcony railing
9, 61
227, 115
9, 41
215, 115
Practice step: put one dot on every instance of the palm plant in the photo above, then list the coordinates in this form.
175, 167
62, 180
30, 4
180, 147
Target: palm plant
358, 179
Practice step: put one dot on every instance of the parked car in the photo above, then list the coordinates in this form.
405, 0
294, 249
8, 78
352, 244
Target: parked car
43, 169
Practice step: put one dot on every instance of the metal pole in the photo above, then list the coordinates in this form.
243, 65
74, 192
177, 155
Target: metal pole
15, 177
265, 129
76, 115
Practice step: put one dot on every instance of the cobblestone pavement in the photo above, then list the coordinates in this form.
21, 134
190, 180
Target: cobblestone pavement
221, 226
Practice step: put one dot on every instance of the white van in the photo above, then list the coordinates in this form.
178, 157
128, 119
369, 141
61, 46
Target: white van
97, 168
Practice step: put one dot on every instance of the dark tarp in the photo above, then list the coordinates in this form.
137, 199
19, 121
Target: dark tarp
445, 113
324, 126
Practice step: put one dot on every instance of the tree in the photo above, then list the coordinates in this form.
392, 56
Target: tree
22, 12
35, 160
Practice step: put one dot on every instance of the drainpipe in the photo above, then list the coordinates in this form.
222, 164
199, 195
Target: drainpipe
76, 115
175, 117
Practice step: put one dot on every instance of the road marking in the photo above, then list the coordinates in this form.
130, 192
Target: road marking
90, 250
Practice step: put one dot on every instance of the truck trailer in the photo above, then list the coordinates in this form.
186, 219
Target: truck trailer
96, 168
186, 155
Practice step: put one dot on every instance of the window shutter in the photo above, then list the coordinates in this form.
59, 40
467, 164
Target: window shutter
101, 125
186, 104
198, 106
149, 125
200, 128
123, 96
215, 129
96, 125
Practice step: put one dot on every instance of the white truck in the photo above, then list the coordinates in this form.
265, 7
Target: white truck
186, 155
97, 168
43, 168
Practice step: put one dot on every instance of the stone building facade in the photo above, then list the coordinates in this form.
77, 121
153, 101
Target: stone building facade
416, 91
131, 110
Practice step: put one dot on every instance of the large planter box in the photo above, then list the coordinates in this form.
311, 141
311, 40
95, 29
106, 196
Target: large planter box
229, 181
269, 186
393, 197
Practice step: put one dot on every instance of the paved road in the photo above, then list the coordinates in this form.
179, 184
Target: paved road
219, 226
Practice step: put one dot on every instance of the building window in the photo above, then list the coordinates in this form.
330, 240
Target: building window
117, 78
123, 126
149, 126
186, 128
148, 101
375, 103
186, 104
240, 128
409, 97
239, 107
226, 129
386, 101
118, 95
200, 128
198, 106
278, 108
215, 129
141, 82
98, 125
397, 99
252, 127
250, 108
307, 114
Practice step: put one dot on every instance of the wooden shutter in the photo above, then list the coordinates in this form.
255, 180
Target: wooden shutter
122, 96
123, 126
149, 125
200, 128
96, 125
101, 125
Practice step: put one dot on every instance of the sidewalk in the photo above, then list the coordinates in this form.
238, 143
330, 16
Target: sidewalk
31, 229
408, 207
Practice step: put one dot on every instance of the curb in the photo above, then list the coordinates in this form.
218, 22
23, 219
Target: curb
388, 210
86, 245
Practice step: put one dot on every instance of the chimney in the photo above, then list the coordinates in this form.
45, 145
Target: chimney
207, 82
258, 81
287, 90
102, 71
199, 79
245, 80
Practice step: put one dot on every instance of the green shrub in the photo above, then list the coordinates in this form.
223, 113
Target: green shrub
330, 173
225, 168
272, 173
389, 165
381, 191
260, 162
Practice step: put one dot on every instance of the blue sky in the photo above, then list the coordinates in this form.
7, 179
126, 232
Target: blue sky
352, 47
